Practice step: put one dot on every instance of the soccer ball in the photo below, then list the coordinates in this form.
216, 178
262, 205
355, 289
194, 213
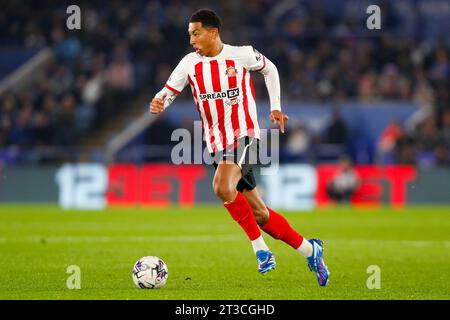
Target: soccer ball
150, 273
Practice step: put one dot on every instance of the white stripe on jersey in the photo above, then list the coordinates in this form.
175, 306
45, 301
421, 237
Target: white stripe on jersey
208, 133
241, 113
227, 109
252, 106
201, 111
207, 79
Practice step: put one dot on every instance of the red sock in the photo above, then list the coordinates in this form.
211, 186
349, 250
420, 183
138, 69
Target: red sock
241, 211
278, 227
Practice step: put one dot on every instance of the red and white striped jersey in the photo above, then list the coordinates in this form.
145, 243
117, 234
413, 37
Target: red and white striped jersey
223, 92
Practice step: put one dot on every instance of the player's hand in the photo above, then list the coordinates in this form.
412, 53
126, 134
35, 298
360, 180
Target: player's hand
280, 118
157, 104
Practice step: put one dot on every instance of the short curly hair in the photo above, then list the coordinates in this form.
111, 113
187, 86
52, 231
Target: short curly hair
208, 18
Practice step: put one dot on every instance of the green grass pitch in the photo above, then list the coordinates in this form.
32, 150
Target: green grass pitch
209, 256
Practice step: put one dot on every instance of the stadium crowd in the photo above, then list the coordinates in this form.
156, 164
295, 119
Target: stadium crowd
323, 54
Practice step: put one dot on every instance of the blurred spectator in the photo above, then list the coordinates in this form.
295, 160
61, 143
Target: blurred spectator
65, 121
442, 156
344, 183
367, 86
405, 150
388, 139
120, 73
445, 131
298, 142
42, 129
428, 135
336, 132
21, 131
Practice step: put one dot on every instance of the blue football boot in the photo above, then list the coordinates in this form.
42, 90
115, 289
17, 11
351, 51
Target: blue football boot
266, 261
316, 263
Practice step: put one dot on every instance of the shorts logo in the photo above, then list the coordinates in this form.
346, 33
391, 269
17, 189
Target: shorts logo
231, 72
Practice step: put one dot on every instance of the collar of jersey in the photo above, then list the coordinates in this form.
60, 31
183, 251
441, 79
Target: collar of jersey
215, 57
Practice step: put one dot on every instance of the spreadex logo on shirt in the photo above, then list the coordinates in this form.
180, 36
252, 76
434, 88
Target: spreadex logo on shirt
229, 94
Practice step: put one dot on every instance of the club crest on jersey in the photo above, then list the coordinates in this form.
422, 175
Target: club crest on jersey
231, 72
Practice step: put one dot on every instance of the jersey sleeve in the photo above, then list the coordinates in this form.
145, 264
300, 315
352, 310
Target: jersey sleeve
178, 78
255, 61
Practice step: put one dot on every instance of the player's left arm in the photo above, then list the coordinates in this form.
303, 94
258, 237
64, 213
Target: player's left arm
258, 62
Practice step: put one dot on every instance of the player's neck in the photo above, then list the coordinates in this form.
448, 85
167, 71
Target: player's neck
216, 50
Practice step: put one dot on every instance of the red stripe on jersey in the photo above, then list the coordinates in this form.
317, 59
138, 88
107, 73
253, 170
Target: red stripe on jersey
248, 119
232, 83
215, 76
172, 89
205, 104
253, 89
194, 92
264, 64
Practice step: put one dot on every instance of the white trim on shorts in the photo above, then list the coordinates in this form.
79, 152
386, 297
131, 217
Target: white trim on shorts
243, 153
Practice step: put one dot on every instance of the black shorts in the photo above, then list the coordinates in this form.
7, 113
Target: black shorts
243, 152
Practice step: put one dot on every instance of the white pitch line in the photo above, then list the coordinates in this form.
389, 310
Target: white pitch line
211, 238
410, 243
97, 239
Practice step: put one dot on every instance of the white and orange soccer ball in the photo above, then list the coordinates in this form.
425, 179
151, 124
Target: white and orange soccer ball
150, 273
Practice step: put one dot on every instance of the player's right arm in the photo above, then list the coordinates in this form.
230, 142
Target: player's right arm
173, 87
157, 104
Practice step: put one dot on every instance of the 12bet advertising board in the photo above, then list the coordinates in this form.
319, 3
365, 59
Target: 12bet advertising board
292, 187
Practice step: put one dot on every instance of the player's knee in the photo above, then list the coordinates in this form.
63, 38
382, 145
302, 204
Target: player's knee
226, 194
224, 190
261, 215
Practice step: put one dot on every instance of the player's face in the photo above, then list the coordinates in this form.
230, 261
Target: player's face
202, 39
